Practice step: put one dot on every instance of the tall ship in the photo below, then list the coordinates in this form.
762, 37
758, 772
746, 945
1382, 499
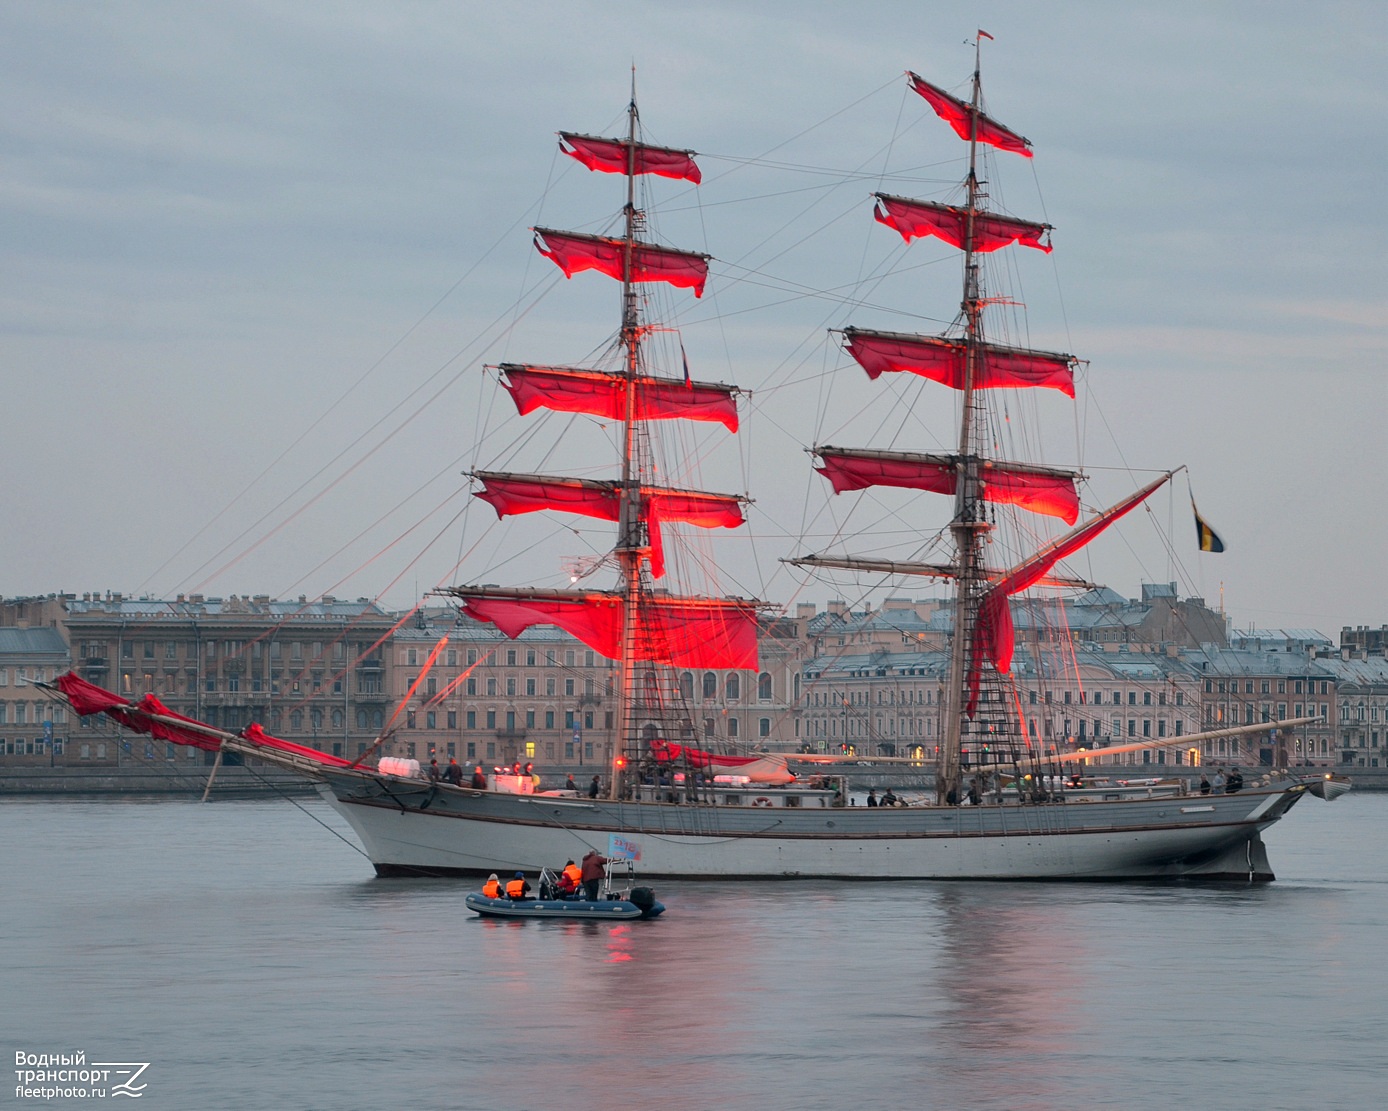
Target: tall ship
686, 811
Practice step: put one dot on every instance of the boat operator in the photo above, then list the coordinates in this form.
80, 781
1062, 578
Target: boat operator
518, 888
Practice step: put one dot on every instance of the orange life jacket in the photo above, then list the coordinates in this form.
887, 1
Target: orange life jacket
515, 889
492, 889
575, 873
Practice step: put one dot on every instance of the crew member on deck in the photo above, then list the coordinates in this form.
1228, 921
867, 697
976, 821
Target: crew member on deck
454, 772
479, 779
518, 888
492, 888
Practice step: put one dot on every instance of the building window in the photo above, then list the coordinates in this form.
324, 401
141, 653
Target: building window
732, 687
763, 727
710, 685
764, 687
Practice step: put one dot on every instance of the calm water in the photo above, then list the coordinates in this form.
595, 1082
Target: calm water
255, 962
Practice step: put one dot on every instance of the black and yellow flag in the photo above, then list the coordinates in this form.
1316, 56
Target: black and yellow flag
1208, 538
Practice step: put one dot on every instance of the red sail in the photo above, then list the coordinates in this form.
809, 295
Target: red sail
511, 494
167, 731
961, 117
684, 633
87, 698
604, 395
994, 637
915, 219
690, 508
257, 736
1039, 491
944, 361
147, 717
613, 156
573, 253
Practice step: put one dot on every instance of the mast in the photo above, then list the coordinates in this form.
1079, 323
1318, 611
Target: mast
970, 521
629, 544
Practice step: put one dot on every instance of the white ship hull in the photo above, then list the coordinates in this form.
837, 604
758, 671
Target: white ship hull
412, 829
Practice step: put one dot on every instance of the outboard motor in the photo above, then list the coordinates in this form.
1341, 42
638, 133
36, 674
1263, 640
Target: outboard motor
643, 897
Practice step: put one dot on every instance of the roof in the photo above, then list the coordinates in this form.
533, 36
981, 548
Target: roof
31, 642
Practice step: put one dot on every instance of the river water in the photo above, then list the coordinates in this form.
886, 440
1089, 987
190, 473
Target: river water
250, 957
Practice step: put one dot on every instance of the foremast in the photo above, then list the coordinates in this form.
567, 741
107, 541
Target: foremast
632, 623
631, 536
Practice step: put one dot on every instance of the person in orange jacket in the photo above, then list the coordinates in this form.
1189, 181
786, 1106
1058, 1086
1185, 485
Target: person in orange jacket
518, 888
574, 872
492, 888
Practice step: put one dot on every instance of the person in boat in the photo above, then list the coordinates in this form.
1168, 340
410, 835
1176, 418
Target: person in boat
975, 797
515, 768
595, 787
479, 779
570, 785
889, 798
454, 772
872, 796
1219, 782
434, 773
518, 887
1204, 784
1234, 784
575, 874
566, 887
492, 888
590, 871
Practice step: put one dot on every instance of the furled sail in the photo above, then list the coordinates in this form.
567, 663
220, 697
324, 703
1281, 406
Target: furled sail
967, 121
994, 638
915, 219
1045, 490
599, 394
615, 156
151, 716
683, 632
573, 253
945, 361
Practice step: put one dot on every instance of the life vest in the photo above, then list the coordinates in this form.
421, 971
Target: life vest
515, 889
574, 872
492, 889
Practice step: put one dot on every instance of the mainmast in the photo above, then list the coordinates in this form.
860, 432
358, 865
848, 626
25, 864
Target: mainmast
983, 634
970, 521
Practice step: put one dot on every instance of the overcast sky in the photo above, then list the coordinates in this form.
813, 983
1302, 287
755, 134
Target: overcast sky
256, 254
